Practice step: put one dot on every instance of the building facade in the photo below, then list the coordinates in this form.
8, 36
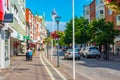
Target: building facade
18, 45
99, 10
92, 10
12, 32
87, 12
36, 30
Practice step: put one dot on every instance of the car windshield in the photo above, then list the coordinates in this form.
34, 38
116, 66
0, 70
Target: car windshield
94, 48
71, 50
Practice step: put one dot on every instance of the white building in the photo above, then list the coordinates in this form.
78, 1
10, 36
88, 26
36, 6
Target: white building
18, 26
87, 12
100, 9
12, 33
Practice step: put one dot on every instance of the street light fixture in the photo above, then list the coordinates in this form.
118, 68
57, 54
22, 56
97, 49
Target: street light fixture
53, 18
57, 19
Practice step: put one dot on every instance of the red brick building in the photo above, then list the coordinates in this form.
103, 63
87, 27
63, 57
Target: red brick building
92, 10
112, 17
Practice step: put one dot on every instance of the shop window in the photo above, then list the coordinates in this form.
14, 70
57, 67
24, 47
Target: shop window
6, 45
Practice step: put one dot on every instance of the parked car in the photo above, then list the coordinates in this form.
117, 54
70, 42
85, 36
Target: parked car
91, 51
81, 52
69, 54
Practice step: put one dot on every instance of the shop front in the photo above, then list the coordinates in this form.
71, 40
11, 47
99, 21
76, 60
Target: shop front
17, 45
5, 47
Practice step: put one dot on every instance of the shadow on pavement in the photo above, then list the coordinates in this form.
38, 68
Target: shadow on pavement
111, 63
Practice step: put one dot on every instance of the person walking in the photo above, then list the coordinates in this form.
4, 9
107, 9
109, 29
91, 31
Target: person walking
29, 54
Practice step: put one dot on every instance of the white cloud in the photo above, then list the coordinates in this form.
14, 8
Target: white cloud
49, 25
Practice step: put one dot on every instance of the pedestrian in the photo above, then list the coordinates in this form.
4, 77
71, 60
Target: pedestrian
29, 54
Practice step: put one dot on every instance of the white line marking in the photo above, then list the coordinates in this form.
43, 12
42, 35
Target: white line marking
63, 78
50, 74
79, 72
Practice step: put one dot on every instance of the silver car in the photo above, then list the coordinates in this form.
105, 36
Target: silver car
69, 54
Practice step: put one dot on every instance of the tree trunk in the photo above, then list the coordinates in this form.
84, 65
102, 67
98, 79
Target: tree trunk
100, 48
106, 51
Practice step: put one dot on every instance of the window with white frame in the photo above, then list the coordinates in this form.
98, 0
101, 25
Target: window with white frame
101, 12
97, 14
118, 20
97, 2
7, 4
100, 1
109, 12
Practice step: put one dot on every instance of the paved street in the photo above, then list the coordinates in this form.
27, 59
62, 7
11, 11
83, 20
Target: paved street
26, 70
38, 69
42, 69
92, 69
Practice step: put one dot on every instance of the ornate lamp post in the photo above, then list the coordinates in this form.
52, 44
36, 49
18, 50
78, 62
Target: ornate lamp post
57, 19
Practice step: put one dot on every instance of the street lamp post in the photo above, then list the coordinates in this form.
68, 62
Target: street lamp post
57, 19
53, 18
73, 23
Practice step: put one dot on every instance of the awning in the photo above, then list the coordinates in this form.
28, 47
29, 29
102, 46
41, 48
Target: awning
1, 11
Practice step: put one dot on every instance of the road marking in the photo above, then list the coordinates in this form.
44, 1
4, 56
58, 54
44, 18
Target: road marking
50, 74
63, 78
82, 74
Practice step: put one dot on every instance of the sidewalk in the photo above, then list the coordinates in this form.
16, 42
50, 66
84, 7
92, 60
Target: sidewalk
25, 70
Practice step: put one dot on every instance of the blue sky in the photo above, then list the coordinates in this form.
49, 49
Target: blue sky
62, 7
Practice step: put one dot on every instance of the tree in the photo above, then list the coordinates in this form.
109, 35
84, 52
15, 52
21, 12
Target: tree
102, 33
81, 25
47, 42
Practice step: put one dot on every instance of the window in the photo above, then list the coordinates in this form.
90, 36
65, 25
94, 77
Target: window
7, 4
97, 14
87, 12
109, 12
6, 45
97, 2
101, 1
118, 20
101, 11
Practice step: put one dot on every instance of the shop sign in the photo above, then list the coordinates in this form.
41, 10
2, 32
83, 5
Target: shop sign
8, 18
26, 37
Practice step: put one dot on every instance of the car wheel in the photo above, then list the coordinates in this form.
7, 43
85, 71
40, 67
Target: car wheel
86, 56
98, 57
79, 58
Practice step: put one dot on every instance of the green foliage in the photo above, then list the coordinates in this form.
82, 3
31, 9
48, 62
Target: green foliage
47, 40
81, 26
102, 32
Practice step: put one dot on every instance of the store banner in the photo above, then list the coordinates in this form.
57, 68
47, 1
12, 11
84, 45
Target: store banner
1, 11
